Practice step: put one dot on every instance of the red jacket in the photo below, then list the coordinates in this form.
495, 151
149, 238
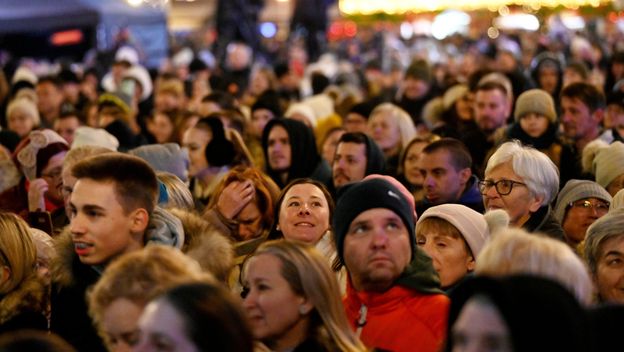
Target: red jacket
400, 319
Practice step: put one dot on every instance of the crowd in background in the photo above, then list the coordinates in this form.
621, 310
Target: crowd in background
378, 198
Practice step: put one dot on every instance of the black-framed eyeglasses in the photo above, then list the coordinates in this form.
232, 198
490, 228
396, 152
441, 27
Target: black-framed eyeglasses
503, 187
600, 207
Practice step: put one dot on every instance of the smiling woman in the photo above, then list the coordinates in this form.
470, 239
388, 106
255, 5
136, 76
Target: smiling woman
304, 211
293, 302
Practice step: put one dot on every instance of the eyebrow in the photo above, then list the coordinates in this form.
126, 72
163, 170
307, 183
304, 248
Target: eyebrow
300, 197
89, 207
616, 253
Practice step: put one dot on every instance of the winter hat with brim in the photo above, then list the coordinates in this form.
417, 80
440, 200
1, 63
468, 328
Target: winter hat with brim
359, 197
535, 101
472, 225
34, 152
576, 190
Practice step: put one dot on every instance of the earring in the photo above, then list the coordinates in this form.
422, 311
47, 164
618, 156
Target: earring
277, 227
303, 310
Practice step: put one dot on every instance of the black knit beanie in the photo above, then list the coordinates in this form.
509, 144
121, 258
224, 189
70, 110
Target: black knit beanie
355, 198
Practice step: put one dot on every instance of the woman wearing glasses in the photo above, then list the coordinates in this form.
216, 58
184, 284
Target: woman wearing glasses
579, 204
523, 181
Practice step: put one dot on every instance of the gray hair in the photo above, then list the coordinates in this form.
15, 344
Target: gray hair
534, 168
608, 226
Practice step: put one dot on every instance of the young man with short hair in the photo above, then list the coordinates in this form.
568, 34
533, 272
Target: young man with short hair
113, 211
447, 176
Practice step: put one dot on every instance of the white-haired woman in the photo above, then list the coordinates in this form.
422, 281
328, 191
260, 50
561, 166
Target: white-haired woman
523, 181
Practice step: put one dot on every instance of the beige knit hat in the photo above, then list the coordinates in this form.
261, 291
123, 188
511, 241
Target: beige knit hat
536, 101
473, 226
605, 161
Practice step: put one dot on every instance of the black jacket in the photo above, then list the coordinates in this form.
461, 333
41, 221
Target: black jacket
544, 221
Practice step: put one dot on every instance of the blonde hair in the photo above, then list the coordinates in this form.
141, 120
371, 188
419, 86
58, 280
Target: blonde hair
141, 276
178, 194
308, 274
17, 251
515, 251
407, 130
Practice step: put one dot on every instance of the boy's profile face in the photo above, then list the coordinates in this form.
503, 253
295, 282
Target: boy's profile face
534, 124
100, 228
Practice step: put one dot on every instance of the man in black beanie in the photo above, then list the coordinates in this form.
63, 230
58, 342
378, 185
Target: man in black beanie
393, 297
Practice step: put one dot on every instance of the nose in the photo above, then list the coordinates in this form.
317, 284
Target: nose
304, 209
76, 225
428, 180
380, 238
245, 231
491, 192
250, 299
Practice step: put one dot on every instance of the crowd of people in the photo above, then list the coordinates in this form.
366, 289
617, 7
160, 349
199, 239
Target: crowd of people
282, 207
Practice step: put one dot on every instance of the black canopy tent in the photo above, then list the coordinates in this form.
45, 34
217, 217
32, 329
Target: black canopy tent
99, 20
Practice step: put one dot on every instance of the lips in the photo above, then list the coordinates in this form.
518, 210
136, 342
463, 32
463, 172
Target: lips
82, 248
379, 259
304, 224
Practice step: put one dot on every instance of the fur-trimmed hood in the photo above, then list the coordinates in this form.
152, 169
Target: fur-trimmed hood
204, 243
30, 296
195, 236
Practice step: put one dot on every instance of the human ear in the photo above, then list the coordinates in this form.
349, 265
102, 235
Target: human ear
470, 263
306, 307
464, 175
5, 274
536, 203
140, 220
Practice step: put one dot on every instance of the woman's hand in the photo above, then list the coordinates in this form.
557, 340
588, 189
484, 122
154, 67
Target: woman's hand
234, 198
36, 192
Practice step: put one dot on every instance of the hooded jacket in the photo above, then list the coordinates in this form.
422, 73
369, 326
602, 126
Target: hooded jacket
71, 278
305, 160
410, 316
544, 221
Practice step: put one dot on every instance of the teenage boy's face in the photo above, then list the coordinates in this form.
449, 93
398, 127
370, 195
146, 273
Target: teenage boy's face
99, 227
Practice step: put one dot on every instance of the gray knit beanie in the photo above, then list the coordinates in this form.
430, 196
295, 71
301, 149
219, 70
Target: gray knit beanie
536, 101
168, 157
576, 190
